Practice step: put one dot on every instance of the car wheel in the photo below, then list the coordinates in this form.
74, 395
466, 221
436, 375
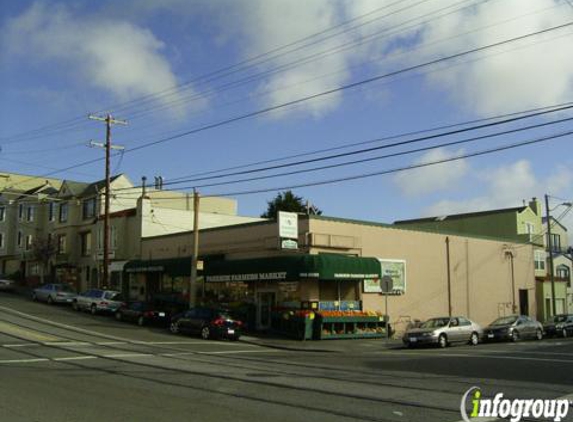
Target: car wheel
515, 336
539, 335
474, 339
141, 321
50, 300
564, 332
205, 333
93, 309
174, 327
118, 316
443, 341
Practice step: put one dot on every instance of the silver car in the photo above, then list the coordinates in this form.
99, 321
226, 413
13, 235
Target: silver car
54, 293
513, 328
444, 331
6, 285
98, 300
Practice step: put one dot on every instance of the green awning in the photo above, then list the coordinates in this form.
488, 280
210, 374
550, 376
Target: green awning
175, 267
292, 268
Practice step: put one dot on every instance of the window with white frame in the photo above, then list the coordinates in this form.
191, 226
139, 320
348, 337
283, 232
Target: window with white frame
30, 211
529, 228
63, 212
20, 212
62, 243
29, 241
2, 213
52, 211
540, 258
20, 239
89, 208
1, 240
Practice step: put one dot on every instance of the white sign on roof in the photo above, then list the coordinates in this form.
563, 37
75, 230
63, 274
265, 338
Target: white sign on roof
288, 225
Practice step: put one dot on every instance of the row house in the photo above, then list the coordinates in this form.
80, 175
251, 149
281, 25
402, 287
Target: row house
55, 230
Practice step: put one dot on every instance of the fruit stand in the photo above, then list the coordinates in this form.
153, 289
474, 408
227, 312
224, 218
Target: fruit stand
297, 324
348, 324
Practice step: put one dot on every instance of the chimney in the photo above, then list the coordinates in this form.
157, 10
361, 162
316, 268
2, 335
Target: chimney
535, 206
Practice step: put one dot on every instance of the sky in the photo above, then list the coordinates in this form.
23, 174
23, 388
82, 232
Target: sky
214, 85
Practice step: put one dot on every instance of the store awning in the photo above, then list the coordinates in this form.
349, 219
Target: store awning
292, 268
175, 267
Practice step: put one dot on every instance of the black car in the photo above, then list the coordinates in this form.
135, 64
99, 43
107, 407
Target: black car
513, 328
143, 313
559, 325
207, 322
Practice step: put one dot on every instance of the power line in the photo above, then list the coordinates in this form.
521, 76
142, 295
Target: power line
331, 91
391, 145
394, 170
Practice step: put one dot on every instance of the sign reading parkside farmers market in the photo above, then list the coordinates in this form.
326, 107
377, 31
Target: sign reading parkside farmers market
247, 277
288, 225
393, 268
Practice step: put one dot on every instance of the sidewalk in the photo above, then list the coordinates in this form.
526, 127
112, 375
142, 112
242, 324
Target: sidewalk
321, 346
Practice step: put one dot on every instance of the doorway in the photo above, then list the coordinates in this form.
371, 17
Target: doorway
523, 302
265, 303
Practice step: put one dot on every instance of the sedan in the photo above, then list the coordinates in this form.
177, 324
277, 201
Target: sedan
513, 328
444, 331
54, 293
558, 325
208, 323
6, 285
97, 300
143, 313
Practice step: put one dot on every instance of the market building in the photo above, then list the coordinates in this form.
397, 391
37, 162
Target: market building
332, 263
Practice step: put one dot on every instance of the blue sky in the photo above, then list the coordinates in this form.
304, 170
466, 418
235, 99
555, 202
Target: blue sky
61, 60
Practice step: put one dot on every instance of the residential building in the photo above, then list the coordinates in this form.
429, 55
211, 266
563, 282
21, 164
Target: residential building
561, 256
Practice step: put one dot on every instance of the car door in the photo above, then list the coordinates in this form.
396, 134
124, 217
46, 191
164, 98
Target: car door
186, 320
453, 330
525, 327
465, 329
83, 299
44, 292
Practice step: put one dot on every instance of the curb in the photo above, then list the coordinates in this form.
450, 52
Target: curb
281, 347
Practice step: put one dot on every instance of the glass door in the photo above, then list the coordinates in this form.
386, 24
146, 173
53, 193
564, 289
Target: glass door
265, 302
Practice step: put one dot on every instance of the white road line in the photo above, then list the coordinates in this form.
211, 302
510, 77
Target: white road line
22, 345
67, 343
24, 360
110, 343
230, 352
482, 355
128, 355
74, 358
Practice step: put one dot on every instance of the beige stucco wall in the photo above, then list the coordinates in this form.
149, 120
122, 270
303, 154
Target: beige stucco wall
481, 285
480, 268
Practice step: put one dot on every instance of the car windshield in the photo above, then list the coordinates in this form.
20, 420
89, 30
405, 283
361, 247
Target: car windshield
435, 323
505, 320
64, 288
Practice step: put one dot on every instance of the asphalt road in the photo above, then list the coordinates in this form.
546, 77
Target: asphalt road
57, 365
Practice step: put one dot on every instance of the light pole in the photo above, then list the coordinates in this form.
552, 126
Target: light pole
550, 250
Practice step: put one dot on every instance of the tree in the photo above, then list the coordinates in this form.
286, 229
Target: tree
288, 201
43, 249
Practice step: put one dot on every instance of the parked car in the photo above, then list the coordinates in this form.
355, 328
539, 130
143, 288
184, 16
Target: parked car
444, 331
97, 300
555, 325
207, 322
6, 285
54, 293
513, 328
143, 313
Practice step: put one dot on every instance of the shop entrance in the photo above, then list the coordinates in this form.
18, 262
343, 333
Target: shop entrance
265, 301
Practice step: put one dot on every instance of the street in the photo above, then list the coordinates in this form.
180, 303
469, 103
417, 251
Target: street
60, 365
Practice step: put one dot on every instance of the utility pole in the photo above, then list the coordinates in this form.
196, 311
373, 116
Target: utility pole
550, 248
449, 276
108, 147
195, 257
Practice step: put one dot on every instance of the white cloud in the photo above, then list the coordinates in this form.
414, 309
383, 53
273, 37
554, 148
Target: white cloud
509, 186
116, 56
524, 75
433, 178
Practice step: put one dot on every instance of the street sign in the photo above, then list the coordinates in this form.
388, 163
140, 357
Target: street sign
387, 284
288, 225
289, 244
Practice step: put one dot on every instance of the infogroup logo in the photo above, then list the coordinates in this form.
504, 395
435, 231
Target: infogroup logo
515, 409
